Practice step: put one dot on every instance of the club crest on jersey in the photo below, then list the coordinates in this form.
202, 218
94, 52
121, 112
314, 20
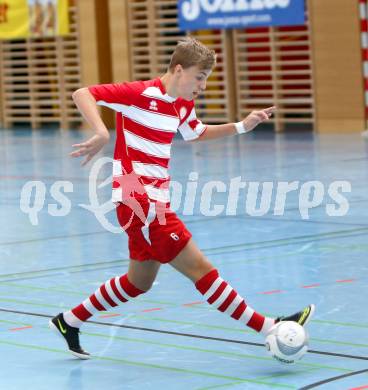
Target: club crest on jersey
153, 105
182, 112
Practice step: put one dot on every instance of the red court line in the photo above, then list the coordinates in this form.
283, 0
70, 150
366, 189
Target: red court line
23, 327
193, 303
263, 293
345, 281
359, 388
312, 285
271, 292
109, 315
40, 178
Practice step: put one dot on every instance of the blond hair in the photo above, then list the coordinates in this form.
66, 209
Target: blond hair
190, 52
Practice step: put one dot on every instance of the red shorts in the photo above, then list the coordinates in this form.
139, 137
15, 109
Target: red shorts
155, 232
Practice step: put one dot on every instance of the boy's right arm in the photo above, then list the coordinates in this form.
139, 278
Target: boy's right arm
87, 106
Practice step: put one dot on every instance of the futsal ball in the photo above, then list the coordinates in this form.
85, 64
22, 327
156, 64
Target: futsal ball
287, 342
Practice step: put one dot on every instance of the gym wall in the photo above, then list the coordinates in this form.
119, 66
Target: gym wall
313, 73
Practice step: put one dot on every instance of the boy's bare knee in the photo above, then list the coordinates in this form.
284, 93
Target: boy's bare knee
141, 282
143, 274
192, 263
146, 286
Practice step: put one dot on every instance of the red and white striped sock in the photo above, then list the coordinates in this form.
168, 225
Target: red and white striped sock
109, 294
221, 295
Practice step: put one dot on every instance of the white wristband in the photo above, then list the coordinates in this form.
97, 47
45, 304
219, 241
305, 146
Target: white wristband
240, 128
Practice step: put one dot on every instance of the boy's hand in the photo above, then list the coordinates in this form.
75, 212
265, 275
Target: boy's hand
257, 117
90, 147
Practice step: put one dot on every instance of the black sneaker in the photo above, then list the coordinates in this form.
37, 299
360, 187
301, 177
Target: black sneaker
70, 335
301, 317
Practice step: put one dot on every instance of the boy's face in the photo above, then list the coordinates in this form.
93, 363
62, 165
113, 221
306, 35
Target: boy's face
190, 82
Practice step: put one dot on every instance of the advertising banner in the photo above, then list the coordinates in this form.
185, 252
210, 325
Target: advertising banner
33, 18
224, 14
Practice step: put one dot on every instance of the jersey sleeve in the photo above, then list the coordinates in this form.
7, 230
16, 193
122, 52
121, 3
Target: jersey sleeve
115, 96
191, 128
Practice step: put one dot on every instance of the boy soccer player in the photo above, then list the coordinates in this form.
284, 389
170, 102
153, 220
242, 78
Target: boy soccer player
149, 113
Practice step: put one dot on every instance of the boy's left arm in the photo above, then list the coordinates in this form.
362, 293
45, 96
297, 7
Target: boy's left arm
244, 126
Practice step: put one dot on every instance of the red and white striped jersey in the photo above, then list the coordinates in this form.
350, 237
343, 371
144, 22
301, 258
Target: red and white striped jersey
146, 122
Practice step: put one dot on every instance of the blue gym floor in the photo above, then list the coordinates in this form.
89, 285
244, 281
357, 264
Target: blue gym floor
169, 337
